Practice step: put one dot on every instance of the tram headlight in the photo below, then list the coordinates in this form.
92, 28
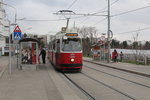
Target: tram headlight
72, 60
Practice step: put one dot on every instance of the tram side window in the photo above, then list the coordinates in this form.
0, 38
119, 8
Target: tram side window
54, 46
58, 46
50, 46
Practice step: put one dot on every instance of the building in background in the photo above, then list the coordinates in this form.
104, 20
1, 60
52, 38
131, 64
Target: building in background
2, 44
4, 29
43, 41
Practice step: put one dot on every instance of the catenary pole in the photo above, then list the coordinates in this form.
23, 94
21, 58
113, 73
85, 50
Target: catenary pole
108, 33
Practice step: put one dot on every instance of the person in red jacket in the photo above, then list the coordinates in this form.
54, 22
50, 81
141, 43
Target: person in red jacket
114, 55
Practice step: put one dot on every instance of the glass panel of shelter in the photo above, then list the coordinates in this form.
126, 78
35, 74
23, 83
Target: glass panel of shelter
28, 53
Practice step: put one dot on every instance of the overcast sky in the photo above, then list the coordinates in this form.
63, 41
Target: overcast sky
44, 9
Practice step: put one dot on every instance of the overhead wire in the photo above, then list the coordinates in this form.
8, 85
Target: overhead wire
130, 11
92, 13
101, 11
39, 20
114, 15
72, 4
100, 21
147, 28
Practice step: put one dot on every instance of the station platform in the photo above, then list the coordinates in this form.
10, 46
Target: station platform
128, 67
30, 83
47, 84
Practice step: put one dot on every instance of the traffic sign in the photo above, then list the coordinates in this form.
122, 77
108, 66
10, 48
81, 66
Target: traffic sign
17, 33
102, 38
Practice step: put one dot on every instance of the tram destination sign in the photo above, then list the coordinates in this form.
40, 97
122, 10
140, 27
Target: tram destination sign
71, 34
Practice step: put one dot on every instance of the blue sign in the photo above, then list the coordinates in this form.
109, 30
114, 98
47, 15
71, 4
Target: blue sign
17, 35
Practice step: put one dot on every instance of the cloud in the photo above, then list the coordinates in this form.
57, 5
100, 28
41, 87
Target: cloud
44, 9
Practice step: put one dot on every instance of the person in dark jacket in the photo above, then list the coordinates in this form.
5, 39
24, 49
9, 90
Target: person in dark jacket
43, 53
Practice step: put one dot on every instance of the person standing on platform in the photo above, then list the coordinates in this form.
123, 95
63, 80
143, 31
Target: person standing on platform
121, 56
43, 53
114, 55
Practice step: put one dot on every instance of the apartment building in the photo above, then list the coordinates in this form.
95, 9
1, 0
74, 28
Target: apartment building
4, 29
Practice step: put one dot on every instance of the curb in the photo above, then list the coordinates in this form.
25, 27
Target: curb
2, 72
126, 70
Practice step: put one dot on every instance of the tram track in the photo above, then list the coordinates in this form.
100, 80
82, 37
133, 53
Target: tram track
136, 84
132, 98
80, 88
140, 84
88, 95
72, 79
121, 69
100, 82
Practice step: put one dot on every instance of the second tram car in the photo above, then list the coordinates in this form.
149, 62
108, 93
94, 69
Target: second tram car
65, 51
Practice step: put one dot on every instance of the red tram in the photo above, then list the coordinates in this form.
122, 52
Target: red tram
65, 51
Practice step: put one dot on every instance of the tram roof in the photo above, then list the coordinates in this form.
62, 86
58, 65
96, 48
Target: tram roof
28, 40
60, 34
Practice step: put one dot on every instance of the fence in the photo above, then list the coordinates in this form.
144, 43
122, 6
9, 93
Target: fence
139, 59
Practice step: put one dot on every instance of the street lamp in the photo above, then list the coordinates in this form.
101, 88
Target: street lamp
11, 7
9, 47
10, 32
9, 44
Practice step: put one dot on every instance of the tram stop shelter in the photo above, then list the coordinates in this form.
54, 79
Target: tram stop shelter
96, 51
28, 52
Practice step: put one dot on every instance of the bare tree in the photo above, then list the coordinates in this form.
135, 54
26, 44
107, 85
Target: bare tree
95, 34
137, 47
83, 32
90, 32
89, 36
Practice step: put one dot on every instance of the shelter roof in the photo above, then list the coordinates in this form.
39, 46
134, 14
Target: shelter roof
28, 40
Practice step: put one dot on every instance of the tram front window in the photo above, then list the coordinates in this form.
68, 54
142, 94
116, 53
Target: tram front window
71, 44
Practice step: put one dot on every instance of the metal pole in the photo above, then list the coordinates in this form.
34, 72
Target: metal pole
104, 52
9, 49
108, 32
9, 29
17, 55
67, 23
